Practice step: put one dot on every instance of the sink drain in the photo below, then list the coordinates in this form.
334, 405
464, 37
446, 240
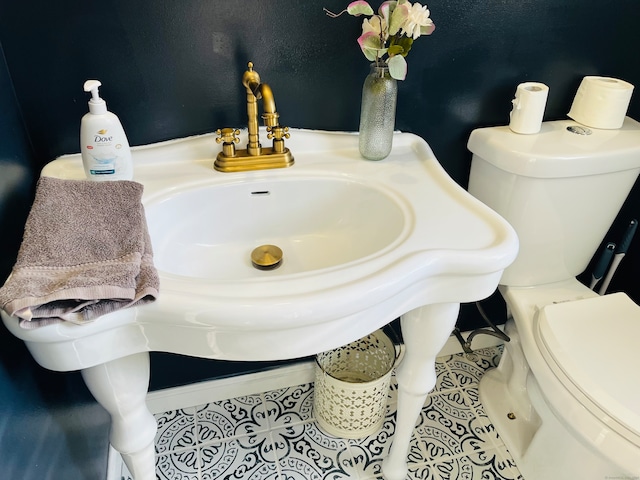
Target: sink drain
266, 257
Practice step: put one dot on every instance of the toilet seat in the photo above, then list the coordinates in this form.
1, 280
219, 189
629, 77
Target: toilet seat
589, 345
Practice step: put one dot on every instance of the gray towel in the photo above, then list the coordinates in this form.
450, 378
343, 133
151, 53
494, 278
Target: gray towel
86, 252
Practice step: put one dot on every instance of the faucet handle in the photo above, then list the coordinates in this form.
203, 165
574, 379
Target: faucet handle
227, 135
278, 132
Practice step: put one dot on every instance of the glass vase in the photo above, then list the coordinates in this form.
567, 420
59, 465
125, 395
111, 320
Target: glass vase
378, 113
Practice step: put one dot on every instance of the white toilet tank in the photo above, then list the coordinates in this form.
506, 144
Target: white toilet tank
560, 189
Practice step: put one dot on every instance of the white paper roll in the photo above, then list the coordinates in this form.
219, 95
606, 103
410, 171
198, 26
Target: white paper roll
601, 102
528, 107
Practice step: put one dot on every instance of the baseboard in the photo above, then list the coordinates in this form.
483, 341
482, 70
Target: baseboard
114, 464
286, 376
221, 389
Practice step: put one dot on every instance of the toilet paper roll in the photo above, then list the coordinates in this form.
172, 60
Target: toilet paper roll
528, 107
601, 102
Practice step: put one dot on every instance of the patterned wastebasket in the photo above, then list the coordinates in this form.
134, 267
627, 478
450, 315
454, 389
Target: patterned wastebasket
352, 385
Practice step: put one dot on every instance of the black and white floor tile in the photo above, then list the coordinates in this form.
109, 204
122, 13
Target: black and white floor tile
273, 436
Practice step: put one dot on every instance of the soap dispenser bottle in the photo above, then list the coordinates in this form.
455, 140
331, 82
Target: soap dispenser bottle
103, 144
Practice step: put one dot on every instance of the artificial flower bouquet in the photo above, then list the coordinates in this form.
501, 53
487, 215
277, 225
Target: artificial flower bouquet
390, 32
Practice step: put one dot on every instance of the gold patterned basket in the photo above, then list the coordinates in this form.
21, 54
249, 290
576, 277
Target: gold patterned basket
352, 385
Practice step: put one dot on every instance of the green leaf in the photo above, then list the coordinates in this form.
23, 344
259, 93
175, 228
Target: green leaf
404, 43
395, 50
398, 67
427, 29
398, 17
386, 9
371, 46
359, 7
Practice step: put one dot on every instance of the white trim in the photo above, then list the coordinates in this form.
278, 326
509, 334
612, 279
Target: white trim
221, 389
114, 464
201, 393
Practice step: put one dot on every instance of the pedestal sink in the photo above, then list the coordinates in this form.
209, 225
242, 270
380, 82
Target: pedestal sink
362, 243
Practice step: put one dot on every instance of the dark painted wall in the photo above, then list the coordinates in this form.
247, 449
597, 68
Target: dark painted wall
172, 69
50, 427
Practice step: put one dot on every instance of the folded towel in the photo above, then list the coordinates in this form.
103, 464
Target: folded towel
86, 252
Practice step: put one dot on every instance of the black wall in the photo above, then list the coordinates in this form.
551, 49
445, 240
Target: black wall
50, 427
172, 69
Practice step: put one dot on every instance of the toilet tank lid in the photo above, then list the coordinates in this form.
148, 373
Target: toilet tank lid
557, 152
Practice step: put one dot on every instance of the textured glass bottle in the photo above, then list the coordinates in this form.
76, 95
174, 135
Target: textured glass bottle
378, 113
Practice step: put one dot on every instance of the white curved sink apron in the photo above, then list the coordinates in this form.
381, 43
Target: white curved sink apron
363, 243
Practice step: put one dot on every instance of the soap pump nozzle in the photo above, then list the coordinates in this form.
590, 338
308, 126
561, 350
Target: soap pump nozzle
97, 105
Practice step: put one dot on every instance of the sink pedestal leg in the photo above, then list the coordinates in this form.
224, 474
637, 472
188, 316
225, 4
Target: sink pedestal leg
425, 331
120, 386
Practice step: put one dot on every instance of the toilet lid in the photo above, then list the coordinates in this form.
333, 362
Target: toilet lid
594, 344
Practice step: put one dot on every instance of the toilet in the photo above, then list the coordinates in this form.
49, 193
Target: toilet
565, 398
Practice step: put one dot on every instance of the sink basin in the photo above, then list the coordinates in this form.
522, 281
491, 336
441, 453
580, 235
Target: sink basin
209, 231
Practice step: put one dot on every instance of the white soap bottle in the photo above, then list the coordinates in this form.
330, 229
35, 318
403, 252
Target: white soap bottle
103, 144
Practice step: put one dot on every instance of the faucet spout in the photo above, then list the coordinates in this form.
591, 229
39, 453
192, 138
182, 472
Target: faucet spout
270, 115
258, 91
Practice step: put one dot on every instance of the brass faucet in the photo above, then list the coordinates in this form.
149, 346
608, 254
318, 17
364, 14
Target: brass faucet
255, 157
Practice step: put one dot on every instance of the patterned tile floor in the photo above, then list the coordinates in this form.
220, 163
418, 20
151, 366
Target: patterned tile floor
272, 436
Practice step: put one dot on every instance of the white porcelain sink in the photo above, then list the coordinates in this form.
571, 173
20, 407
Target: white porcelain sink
363, 243
208, 230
